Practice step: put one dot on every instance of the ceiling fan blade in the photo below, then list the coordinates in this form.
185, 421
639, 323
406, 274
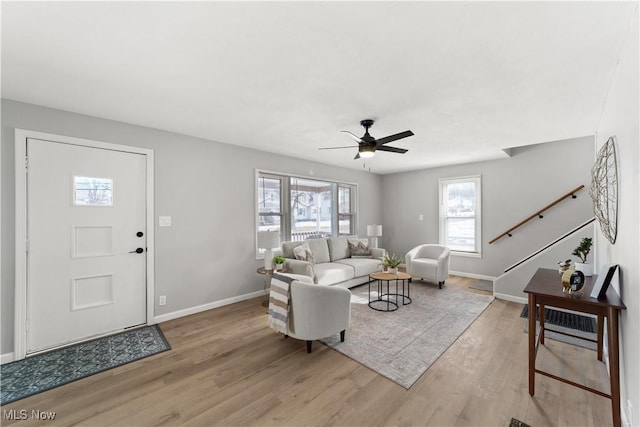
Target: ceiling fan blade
357, 156
391, 149
352, 135
391, 138
336, 148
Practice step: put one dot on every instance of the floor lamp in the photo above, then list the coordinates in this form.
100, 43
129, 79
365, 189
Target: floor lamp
373, 232
268, 240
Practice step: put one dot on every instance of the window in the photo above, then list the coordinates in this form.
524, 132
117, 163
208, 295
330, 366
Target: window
346, 219
89, 191
270, 211
300, 207
460, 208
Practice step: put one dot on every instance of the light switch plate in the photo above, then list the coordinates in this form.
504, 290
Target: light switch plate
164, 221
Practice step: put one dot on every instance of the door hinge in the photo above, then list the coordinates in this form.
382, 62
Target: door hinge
26, 163
26, 326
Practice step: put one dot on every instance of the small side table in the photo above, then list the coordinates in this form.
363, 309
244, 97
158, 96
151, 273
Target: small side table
267, 281
381, 277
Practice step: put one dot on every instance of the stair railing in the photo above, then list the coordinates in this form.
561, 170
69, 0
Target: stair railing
547, 246
538, 213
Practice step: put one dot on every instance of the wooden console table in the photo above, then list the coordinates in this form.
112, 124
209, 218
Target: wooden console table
545, 289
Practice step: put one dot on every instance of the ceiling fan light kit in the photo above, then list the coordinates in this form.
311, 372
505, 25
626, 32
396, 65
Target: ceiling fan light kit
366, 151
367, 145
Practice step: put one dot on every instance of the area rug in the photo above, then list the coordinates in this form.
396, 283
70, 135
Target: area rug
45, 371
482, 285
401, 345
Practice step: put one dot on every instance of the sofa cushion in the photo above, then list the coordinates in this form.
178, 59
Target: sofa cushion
361, 266
319, 249
329, 273
359, 248
287, 249
338, 248
303, 253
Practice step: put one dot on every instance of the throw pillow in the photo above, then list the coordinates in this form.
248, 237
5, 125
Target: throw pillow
359, 248
303, 252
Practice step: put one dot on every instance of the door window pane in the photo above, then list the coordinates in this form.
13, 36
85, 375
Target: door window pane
90, 191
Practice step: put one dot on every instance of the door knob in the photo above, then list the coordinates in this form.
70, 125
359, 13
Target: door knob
139, 234
137, 251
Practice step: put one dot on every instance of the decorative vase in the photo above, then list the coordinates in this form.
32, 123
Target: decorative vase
392, 270
586, 268
278, 267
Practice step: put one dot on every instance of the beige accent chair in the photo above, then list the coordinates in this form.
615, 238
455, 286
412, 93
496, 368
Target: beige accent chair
430, 262
317, 312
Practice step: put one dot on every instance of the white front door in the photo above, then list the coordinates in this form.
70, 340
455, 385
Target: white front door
85, 220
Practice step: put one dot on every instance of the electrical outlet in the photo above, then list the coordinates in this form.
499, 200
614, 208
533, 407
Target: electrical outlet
163, 300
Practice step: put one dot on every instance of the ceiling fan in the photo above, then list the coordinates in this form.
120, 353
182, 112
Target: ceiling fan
367, 145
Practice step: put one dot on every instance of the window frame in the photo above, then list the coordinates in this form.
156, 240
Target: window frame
285, 204
443, 216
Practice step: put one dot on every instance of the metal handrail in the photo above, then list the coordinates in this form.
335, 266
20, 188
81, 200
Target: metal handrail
538, 213
547, 246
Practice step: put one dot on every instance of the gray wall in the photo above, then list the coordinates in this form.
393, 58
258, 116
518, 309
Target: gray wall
512, 189
206, 187
620, 118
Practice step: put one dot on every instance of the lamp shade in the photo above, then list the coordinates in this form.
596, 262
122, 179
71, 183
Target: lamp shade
268, 239
374, 230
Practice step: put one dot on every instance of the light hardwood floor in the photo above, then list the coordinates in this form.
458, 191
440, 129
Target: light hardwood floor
227, 368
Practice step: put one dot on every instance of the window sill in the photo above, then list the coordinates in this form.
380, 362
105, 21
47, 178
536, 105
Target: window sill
466, 254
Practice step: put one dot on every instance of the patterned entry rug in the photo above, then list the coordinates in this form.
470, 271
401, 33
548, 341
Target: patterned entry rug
564, 319
571, 323
45, 371
401, 345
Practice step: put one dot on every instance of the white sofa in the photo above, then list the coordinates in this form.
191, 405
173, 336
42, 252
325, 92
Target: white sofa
332, 262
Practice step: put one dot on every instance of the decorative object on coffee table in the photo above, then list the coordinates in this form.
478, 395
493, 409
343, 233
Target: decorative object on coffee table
391, 263
604, 189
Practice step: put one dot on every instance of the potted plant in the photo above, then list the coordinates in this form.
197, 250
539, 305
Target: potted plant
581, 252
391, 263
278, 262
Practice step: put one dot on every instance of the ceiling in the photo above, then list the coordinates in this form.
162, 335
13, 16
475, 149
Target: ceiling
470, 79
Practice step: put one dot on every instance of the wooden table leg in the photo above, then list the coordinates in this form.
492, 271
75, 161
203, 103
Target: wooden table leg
614, 364
600, 335
532, 343
541, 321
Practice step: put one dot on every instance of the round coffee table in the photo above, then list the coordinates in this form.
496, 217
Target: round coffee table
381, 278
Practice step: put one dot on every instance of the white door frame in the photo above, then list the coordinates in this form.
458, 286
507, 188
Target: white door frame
21, 135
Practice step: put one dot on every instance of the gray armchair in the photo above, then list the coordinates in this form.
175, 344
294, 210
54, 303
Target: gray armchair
430, 262
317, 311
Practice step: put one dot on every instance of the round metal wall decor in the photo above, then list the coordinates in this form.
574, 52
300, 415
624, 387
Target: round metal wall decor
604, 189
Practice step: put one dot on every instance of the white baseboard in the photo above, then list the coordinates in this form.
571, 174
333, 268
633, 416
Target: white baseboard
472, 275
204, 307
6, 358
507, 297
